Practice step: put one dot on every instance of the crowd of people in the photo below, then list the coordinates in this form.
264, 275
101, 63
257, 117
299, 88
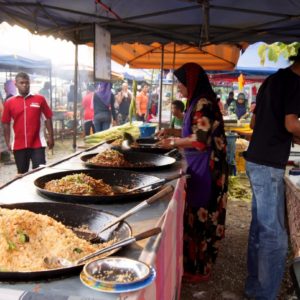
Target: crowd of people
197, 128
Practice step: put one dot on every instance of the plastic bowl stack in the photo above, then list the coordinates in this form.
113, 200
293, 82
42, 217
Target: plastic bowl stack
147, 130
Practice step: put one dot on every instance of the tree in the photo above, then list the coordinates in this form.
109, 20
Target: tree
276, 49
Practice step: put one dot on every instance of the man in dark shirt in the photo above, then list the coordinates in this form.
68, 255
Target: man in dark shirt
275, 123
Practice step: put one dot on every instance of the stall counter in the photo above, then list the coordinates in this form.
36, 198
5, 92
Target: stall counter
164, 251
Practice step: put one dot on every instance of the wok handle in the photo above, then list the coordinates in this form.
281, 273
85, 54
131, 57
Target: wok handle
121, 243
165, 191
137, 208
147, 233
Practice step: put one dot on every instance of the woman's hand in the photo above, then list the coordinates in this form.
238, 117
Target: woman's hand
167, 143
162, 133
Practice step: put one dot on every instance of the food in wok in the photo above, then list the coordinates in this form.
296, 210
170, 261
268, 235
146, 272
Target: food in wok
79, 184
114, 158
26, 238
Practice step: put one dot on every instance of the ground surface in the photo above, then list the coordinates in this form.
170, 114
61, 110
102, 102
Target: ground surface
230, 270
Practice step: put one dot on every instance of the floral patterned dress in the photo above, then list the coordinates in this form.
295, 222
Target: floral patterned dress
205, 211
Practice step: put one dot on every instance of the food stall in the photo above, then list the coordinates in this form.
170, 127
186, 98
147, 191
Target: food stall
155, 251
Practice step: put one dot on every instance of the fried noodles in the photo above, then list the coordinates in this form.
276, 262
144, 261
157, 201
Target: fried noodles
79, 184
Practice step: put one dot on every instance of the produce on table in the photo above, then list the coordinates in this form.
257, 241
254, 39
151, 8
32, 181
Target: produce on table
113, 133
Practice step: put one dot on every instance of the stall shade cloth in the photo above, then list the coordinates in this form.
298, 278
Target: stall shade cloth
212, 57
181, 21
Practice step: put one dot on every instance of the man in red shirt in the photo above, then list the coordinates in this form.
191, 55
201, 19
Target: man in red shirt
27, 112
88, 111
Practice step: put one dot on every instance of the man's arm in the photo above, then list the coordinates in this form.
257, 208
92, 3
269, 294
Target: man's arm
252, 122
292, 124
49, 126
6, 127
138, 105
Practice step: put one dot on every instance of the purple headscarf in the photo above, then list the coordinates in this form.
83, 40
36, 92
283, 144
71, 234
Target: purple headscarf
10, 88
104, 92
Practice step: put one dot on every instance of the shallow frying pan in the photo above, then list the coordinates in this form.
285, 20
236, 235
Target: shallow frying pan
153, 161
72, 216
115, 178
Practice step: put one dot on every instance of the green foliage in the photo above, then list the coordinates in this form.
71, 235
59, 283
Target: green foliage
275, 50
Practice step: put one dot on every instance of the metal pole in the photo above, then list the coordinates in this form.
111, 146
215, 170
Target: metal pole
75, 95
50, 90
161, 86
172, 91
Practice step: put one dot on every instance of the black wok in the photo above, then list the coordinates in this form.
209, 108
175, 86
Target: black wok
119, 178
71, 216
154, 161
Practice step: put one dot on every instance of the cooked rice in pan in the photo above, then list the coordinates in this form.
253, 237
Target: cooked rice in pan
79, 184
26, 238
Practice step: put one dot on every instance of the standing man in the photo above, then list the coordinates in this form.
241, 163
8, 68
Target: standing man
142, 103
275, 123
27, 111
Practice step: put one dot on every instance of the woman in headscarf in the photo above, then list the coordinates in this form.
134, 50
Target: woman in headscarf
104, 108
10, 89
204, 143
240, 106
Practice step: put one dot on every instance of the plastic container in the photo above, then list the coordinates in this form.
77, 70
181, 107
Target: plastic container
147, 130
231, 139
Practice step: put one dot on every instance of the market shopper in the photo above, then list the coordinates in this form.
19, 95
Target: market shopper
142, 103
204, 143
104, 107
275, 123
88, 111
27, 111
10, 89
123, 99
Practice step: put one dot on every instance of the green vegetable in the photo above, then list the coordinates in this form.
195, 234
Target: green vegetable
11, 245
77, 250
23, 238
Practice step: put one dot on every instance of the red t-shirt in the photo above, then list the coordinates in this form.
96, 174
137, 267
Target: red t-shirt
27, 114
87, 106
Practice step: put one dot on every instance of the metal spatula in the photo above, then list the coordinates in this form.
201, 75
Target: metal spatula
104, 233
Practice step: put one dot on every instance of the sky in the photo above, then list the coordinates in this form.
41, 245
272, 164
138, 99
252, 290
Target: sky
17, 39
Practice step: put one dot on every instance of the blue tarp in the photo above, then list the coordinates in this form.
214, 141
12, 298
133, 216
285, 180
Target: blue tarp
26, 62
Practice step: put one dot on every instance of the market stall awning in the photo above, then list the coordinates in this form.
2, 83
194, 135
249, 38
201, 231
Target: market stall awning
213, 57
15, 62
181, 21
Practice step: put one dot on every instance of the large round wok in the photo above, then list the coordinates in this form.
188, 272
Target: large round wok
155, 161
72, 216
117, 178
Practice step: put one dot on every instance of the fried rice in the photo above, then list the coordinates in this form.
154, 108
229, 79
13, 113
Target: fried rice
26, 238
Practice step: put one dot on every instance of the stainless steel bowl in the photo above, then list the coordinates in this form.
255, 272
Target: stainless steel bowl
116, 271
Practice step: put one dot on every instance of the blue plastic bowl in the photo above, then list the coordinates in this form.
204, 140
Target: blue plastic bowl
147, 130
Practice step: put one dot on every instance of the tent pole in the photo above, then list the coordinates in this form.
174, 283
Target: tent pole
75, 95
172, 91
161, 85
50, 79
